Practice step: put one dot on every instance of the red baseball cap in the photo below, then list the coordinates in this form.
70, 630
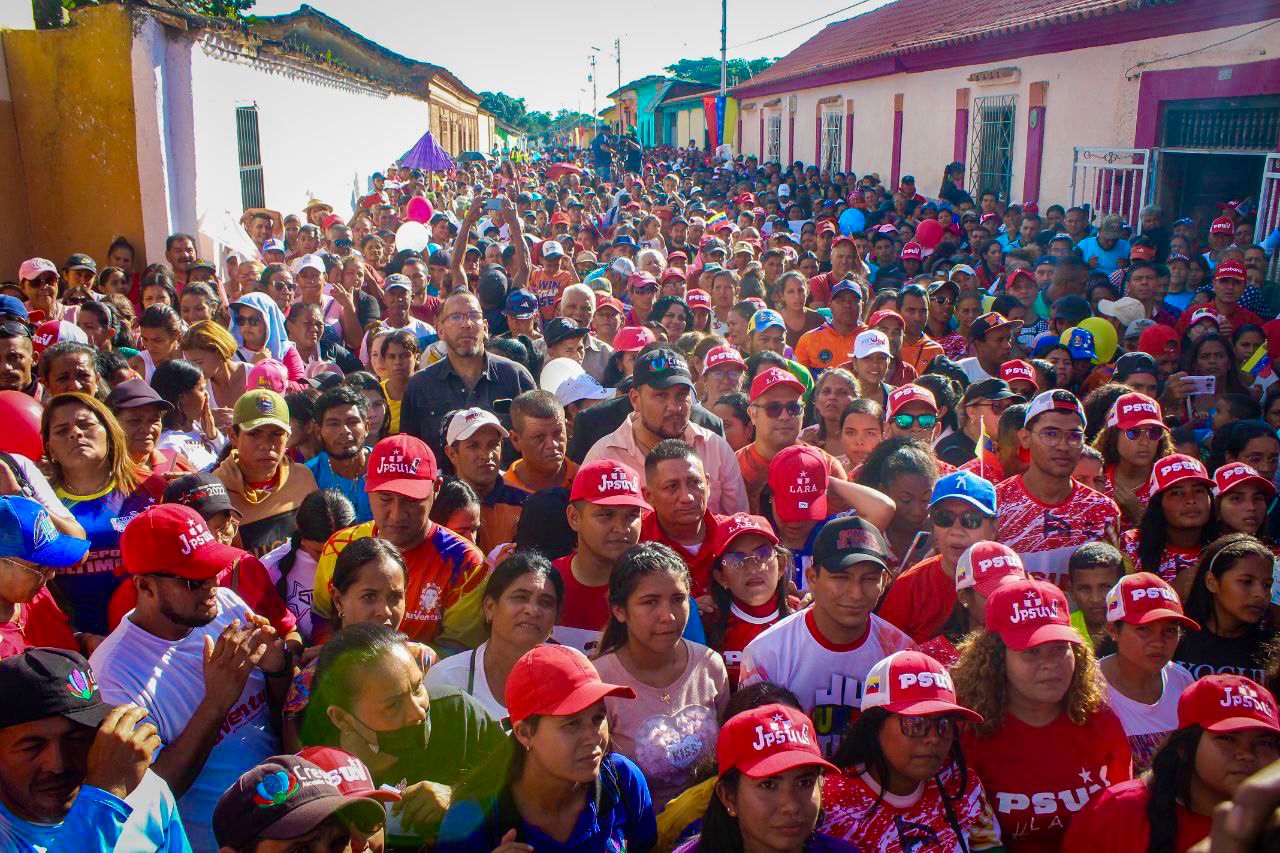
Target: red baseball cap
52, 332
912, 251
767, 740
914, 685
720, 356
1223, 225
673, 272
774, 377
1144, 597
348, 774
1175, 468
607, 483
826, 227
904, 394
798, 479
740, 524
1135, 410
985, 566
556, 681
697, 298
1235, 474
633, 338
1030, 613
681, 255
1227, 703
1205, 314
885, 314
1142, 253
404, 465
1017, 369
604, 300
174, 539
1229, 269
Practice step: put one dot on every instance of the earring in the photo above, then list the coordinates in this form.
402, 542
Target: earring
733, 812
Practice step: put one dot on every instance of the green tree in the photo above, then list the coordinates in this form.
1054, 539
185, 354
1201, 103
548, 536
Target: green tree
509, 110
212, 8
707, 69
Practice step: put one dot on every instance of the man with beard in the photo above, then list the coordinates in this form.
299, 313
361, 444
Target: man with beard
662, 399
75, 771
468, 377
209, 672
180, 252
341, 417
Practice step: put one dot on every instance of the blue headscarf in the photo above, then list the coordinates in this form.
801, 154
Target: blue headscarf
277, 338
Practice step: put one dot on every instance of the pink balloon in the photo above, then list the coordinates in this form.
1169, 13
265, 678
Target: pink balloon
929, 233
419, 210
21, 415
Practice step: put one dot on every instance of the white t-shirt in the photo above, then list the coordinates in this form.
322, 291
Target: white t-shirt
972, 369
825, 677
300, 585
465, 671
1148, 726
192, 445
167, 678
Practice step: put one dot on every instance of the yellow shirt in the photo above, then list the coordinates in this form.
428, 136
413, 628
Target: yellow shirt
393, 406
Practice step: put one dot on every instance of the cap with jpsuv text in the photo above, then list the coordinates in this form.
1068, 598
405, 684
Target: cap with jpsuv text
661, 368
173, 539
846, 541
556, 681
47, 682
798, 479
1134, 410
1177, 468
1056, 400
905, 395
404, 465
1030, 613
1143, 597
912, 684
1236, 474
774, 377
606, 482
1227, 703
984, 566
768, 740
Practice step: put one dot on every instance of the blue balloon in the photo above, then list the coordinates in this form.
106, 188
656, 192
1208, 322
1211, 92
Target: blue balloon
852, 221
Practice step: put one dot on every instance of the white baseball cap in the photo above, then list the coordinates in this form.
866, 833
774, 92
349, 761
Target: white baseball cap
465, 423
623, 266
307, 262
870, 342
552, 249
581, 387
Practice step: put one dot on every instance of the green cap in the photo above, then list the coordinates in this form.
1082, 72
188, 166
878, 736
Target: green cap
261, 407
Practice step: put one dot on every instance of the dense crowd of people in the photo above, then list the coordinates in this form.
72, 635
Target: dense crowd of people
624, 499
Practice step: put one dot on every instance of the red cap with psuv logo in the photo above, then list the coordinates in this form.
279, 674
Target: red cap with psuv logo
556, 681
1144, 597
1235, 474
1030, 613
607, 483
722, 355
1227, 703
1135, 410
774, 377
698, 298
1176, 468
798, 479
404, 465
768, 740
912, 251
174, 539
1223, 225
1017, 369
347, 773
914, 685
985, 565
740, 524
1229, 269
904, 394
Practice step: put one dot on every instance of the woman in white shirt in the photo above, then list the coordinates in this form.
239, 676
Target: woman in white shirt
189, 427
521, 602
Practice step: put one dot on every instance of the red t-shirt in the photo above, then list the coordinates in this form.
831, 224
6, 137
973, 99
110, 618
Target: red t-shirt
987, 466
920, 600
1045, 536
745, 624
1038, 779
700, 563
1116, 822
40, 623
1172, 561
585, 611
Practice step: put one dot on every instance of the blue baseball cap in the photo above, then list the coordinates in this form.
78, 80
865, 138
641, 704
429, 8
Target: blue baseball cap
1080, 344
27, 532
624, 240
763, 319
968, 487
13, 305
273, 245
847, 285
521, 304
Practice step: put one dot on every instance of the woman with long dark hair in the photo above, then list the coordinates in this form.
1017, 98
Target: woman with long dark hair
1177, 523
1240, 498
1227, 730
835, 389
903, 776
1132, 438
189, 426
293, 566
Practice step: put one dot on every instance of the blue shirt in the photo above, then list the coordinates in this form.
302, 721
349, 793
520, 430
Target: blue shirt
627, 822
1107, 258
327, 478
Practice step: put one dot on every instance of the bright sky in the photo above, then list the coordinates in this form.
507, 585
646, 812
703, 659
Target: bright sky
540, 52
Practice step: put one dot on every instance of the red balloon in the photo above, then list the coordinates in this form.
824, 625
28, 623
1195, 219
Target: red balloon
929, 233
21, 416
419, 210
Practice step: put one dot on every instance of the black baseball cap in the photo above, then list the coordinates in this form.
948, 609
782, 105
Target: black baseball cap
203, 492
1134, 362
81, 261
133, 393
661, 368
844, 542
284, 797
558, 329
991, 389
41, 683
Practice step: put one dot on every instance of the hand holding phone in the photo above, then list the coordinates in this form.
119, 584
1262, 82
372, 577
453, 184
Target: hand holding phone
493, 204
1202, 385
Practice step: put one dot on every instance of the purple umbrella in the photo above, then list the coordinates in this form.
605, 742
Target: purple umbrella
427, 155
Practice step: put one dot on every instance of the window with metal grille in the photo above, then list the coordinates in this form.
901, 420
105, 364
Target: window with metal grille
773, 140
1222, 123
991, 149
832, 138
251, 191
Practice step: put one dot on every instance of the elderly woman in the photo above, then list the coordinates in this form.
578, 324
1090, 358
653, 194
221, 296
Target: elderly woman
258, 326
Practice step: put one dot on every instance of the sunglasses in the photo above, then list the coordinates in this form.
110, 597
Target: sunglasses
946, 519
918, 727
190, 583
12, 328
775, 410
1152, 433
734, 560
944, 300
997, 406
908, 421
248, 320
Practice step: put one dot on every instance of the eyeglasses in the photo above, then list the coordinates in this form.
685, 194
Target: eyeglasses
944, 300
44, 572
775, 410
645, 288
1054, 437
1152, 433
14, 329
997, 406
945, 518
727, 375
734, 560
919, 727
191, 583
248, 320
464, 317
908, 421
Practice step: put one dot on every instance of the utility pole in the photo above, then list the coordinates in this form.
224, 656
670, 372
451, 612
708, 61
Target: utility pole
595, 113
724, 52
617, 50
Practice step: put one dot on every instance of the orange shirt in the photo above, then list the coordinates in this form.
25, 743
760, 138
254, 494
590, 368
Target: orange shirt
511, 478
548, 288
755, 473
825, 347
919, 354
